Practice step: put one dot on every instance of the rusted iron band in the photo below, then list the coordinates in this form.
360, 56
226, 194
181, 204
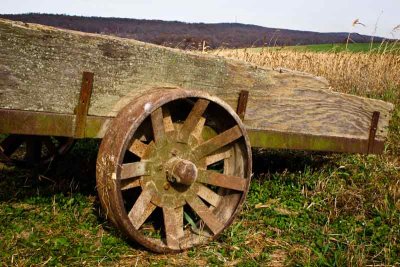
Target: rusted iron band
242, 104
372, 131
83, 104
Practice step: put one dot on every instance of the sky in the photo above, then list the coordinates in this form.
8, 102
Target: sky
379, 16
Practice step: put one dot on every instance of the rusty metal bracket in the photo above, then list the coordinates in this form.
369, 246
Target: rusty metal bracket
242, 104
83, 104
372, 131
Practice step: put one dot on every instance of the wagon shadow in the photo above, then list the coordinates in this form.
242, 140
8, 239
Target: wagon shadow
75, 174
278, 161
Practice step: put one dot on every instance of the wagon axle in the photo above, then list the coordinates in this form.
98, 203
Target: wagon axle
181, 171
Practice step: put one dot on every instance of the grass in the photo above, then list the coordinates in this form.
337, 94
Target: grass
303, 208
379, 48
353, 47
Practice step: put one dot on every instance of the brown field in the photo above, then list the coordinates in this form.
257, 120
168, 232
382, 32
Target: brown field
357, 73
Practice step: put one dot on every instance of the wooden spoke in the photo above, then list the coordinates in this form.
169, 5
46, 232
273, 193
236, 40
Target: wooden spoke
193, 119
142, 209
128, 184
3, 157
173, 221
218, 142
222, 180
11, 144
135, 169
198, 130
139, 148
33, 149
218, 157
62, 140
51, 147
208, 195
157, 122
168, 124
209, 218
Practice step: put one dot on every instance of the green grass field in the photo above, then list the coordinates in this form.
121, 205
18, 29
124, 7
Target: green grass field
355, 48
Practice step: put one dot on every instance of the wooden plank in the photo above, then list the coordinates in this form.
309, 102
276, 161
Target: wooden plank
46, 123
39, 123
41, 70
11, 121
318, 113
298, 141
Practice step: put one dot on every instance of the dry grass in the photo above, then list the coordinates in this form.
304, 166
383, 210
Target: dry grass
348, 72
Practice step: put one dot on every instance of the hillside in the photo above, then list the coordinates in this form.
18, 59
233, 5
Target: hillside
189, 35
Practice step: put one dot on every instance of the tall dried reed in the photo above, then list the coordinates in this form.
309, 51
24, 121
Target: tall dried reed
360, 73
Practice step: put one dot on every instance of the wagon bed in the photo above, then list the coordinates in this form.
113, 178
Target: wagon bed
41, 73
152, 105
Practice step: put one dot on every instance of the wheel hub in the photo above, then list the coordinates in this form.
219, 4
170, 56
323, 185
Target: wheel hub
181, 171
173, 171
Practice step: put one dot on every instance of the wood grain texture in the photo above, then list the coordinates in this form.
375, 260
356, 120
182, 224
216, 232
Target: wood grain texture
41, 69
317, 112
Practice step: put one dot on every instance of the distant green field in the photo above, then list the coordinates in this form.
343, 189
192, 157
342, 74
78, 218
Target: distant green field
361, 47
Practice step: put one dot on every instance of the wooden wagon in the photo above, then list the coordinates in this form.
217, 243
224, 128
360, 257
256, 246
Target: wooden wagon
174, 165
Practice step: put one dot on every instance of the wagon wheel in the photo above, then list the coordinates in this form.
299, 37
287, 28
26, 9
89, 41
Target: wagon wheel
29, 150
174, 169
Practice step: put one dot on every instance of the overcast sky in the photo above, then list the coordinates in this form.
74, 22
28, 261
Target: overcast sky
313, 15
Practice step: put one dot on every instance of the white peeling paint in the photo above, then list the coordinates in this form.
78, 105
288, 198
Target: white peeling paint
147, 107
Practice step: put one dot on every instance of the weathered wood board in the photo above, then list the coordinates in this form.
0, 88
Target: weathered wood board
41, 69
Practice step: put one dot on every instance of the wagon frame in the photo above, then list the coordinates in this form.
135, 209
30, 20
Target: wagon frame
177, 127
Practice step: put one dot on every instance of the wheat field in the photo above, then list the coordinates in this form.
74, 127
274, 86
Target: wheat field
359, 73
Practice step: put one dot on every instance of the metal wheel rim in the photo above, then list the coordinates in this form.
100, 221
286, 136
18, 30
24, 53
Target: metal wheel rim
109, 172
